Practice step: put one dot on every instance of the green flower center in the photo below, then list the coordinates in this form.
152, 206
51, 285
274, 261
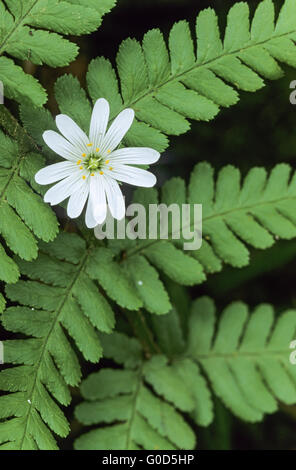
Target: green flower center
93, 162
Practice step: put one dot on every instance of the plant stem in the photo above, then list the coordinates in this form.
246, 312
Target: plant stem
12, 127
142, 331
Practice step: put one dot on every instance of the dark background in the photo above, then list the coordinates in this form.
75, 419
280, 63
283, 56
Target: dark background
258, 131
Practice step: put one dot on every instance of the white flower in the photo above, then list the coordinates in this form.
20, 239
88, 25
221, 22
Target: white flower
93, 165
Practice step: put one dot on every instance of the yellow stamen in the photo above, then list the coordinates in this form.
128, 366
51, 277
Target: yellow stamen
97, 149
92, 174
90, 145
79, 161
107, 161
109, 151
101, 172
111, 168
83, 177
84, 155
81, 168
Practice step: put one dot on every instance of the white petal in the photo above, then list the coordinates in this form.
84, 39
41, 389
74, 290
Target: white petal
72, 132
115, 198
52, 173
61, 146
77, 202
132, 175
117, 130
99, 122
135, 155
64, 189
98, 198
90, 220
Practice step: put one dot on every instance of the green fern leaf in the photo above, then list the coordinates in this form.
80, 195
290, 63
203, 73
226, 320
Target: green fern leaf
256, 212
28, 31
167, 329
58, 295
148, 421
20, 86
110, 275
102, 7
2, 303
168, 87
247, 361
23, 215
148, 285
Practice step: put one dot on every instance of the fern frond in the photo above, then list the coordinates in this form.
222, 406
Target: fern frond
142, 419
167, 87
247, 360
58, 296
256, 212
28, 31
245, 357
23, 215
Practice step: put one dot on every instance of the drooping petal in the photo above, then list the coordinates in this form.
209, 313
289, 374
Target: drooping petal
117, 130
98, 198
61, 146
132, 175
77, 201
56, 172
115, 198
60, 191
72, 132
90, 220
135, 155
99, 122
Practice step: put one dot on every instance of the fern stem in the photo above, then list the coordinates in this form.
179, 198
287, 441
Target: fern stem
56, 319
10, 124
197, 66
16, 26
142, 331
25, 143
134, 408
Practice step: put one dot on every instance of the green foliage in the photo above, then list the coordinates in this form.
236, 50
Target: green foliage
142, 405
32, 30
166, 88
23, 215
58, 296
142, 419
2, 303
247, 360
166, 379
132, 284
256, 212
